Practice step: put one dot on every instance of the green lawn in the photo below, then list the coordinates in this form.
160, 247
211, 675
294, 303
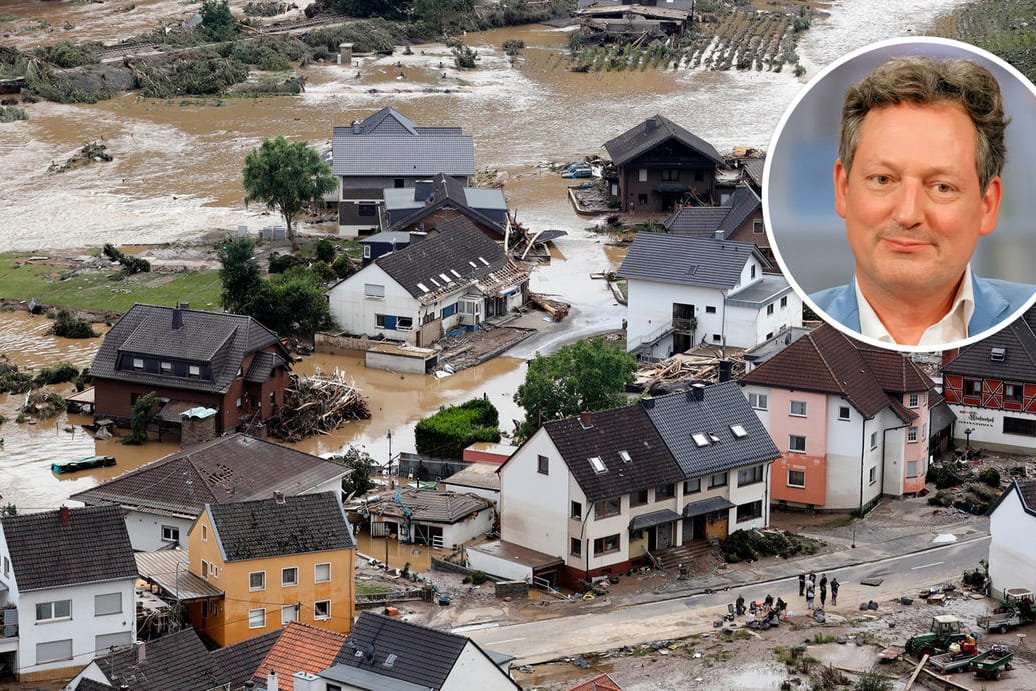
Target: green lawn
53, 284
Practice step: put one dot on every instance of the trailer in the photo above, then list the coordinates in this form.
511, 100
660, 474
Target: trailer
948, 663
991, 664
1015, 609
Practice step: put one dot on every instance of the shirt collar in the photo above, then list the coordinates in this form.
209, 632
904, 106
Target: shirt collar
952, 327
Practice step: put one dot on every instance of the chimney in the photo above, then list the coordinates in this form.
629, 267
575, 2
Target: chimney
584, 420
357, 128
278, 496
724, 370
305, 681
177, 318
141, 651
649, 125
271, 681
249, 685
66, 516
719, 234
697, 392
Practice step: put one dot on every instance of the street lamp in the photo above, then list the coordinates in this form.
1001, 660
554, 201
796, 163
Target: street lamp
967, 435
389, 435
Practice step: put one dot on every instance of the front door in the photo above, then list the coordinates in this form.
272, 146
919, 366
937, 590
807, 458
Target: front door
664, 536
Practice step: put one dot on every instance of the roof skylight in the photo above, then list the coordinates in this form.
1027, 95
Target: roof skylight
625, 456
597, 463
738, 431
700, 439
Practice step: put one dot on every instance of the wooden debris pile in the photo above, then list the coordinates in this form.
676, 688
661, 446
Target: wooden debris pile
555, 308
89, 153
318, 404
699, 365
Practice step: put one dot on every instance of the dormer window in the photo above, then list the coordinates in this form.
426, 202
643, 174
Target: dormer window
167, 368
193, 372
738, 431
700, 439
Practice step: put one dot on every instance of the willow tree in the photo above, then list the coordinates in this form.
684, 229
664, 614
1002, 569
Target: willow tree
286, 176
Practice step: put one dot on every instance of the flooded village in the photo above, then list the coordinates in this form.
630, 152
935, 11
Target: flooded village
510, 440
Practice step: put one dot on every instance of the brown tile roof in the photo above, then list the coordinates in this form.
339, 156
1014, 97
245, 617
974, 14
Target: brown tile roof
92, 547
225, 469
299, 648
432, 506
269, 528
828, 361
602, 682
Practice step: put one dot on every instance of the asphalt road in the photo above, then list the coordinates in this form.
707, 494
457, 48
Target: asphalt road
613, 627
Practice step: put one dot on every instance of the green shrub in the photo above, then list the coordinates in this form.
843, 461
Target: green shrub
513, 46
343, 266
323, 271
67, 54
58, 374
751, 545
448, 432
325, 250
464, 57
69, 325
12, 113
264, 9
944, 475
476, 577
279, 263
11, 379
990, 476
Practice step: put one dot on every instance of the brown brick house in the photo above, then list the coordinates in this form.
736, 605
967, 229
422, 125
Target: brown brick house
190, 358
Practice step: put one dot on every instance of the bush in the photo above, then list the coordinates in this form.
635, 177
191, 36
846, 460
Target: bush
323, 271
11, 379
477, 577
464, 57
58, 374
68, 325
990, 476
279, 263
264, 9
343, 266
12, 113
514, 46
751, 545
67, 54
944, 475
203, 73
872, 681
130, 264
447, 433
325, 250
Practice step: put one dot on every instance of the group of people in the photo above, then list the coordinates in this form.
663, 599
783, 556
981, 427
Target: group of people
767, 610
808, 587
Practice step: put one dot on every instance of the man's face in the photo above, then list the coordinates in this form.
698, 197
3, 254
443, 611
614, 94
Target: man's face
912, 204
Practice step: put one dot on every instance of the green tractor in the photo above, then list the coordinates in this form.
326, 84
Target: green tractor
945, 630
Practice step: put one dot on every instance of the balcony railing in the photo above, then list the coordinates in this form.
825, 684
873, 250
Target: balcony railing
9, 622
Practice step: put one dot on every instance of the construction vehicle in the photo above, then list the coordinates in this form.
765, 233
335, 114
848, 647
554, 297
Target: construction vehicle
945, 630
1015, 609
405, 533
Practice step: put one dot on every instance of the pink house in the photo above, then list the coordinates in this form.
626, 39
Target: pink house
851, 421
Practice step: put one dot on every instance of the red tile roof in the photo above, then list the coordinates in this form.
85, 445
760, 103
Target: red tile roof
300, 648
598, 683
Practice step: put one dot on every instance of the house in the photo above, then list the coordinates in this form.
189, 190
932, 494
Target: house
227, 363
687, 290
380, 244
162, 499
66, 589
739, 217
429, 517
299, 648
430, 203
615, 19
277, 560
991, 387
602, 490
480, 479
661, 165
851, 421
454, 279
388, 149
1012, 561
386, 653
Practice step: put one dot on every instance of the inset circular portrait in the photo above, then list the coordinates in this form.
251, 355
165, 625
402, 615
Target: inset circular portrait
898, 198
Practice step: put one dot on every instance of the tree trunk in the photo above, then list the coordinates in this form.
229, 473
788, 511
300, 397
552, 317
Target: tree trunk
291, 233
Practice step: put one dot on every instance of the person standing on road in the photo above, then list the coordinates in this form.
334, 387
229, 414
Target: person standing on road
834, 592
802, 584
739, 605
823, 590
809, 594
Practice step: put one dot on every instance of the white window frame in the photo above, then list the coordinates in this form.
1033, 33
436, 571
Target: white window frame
138, 363
792, 443
50, 611
872, 474
43, 645
252, 588
913, 400
317, 578
284, 573
912, 435
801, 405
170, 530
288, 614
193, 372
103, 605
326, 605
366, 251
758, 401
912, 468
642, 174
844, 409
792, 484
257, 618
374, 291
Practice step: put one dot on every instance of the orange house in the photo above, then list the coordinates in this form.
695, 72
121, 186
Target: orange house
278, 560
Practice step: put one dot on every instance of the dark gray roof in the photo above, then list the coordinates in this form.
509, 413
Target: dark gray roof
175, 662
215, 338
486, 207
268, 528
263, 365
754, 170
387, 237
1018, 362
92, 547
423, 656
680, 416
704, 221
700, 508
226, 469
389, 144
652, 132
688, 260
1026, 491
432, 506
941, 417
650, 520
239, 662
609, 433
457, 246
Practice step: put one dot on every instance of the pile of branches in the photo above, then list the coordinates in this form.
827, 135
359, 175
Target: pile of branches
41, 404
318, 404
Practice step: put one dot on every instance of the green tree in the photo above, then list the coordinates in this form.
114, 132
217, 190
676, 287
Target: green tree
144, 413
439, 13
448, 432
217, 21
293, 304
584, 376
241, 276
286, 176
388, 9
359, 466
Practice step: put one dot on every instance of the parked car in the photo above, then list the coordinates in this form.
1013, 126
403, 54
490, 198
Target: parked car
580, 170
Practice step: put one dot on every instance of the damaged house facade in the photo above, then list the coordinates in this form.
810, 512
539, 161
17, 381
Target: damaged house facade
428, 517
595, 494
627, 20
229, 364
455, 278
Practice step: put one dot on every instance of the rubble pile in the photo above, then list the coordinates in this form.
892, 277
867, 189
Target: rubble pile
701, 364
318, 404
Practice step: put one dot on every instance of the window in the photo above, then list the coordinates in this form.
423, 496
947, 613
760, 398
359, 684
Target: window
597, 463
710, 309
798, 408
166, 367
784, 302
972, 387
843, 412
575, 547
1013, 392
873, 475
7, 567
874, 440
665, 491
205, 533
911, 434
238, 402
717, 480
752, 272
108, 603
404, 323
1017, 425
749, 511
289, 577
912, 400
758, 401
607, 507
398, 183
366, 210
796, 443
289, 613
193, 371
642, 175
322, 610
366, 251
769, 309
204, 569
717, 338
670, 174
543, 465
108, 641
138, 363
170, 533
373, 290
604, 545
322, 573
257, 580
911, 470
797, 478
757, 227
52, 651
749, 476
257, 618
639, 498
52, 611
692, 486
379, 321
576, 510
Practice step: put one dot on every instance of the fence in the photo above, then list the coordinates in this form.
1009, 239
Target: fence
372, 600
428, 467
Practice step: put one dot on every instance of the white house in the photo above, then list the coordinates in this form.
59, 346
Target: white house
686, 290
1012, 551
429, 517
602, 490
66, 589
454, 279
851, 421
161, 500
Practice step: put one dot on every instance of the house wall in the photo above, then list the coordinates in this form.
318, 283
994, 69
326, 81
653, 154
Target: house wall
753, 230
473, 670
740, 495
355, 313
231, 623
368, 189
631, 188
650, 313
1012, 561
985, 414
467, 528
534, 507
750, 326
782, 425
499, 566
83, 627
145, 530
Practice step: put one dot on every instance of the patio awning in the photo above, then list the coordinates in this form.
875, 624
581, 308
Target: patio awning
705, 506
650, 520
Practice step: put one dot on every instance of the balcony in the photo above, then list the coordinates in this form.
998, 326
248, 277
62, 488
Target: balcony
8, 629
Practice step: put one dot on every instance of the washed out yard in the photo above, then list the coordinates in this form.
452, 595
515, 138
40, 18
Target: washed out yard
652, 605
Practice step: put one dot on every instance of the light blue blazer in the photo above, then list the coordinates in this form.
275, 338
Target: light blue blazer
995, 300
